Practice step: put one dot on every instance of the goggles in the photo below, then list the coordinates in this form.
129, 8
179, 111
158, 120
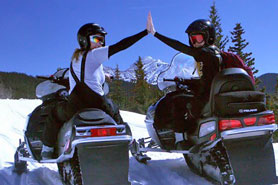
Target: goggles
96, 39
196, 38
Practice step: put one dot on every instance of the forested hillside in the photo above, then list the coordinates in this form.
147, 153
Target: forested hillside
268, 82
17, 85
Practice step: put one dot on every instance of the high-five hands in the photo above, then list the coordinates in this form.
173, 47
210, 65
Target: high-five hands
150, 26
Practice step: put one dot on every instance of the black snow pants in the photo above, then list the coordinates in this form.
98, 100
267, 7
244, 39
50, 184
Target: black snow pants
81, 97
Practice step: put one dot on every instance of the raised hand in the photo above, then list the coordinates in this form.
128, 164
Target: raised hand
150, 26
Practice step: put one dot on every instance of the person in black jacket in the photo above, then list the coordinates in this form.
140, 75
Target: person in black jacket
86, 81
201, 34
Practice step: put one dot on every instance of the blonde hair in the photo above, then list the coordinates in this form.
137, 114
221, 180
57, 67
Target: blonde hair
76, 54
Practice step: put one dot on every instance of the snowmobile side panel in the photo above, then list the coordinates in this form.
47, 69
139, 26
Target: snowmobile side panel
104, 163
252, 160
152, 131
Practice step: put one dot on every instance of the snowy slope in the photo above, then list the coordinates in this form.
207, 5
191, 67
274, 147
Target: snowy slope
163, 169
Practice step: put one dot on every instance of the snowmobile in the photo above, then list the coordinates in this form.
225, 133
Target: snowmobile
91, 148
230, 143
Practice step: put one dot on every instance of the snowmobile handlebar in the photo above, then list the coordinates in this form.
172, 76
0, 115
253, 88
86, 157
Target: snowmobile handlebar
45, 77
168, 80
183, 81
52, 78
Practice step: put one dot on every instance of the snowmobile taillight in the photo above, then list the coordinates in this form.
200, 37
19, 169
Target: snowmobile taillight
250, 121
100, 132
229, 124
267, 119
212, 138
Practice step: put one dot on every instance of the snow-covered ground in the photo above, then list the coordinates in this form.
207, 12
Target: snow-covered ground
163, 169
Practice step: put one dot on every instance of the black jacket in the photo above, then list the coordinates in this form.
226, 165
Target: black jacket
209, 60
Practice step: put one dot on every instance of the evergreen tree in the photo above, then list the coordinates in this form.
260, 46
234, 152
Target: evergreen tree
5, 92
272, 104
263, 90
141, 89
220, 41
276, 87
117, 90
18, 85
239, 45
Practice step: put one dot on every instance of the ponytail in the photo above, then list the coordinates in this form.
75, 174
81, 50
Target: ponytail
76, 54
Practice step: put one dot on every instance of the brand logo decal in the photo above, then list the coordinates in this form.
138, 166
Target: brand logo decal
247, 110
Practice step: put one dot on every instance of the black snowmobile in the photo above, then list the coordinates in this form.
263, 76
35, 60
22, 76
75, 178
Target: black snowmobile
232, 141
91, 148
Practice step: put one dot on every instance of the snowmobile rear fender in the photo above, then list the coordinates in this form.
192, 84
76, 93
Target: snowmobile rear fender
105, 163
93, 140
252, 159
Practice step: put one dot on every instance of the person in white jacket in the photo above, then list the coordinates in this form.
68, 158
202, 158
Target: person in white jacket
86, 81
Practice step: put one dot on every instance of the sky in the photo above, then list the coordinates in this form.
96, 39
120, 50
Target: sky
39, 36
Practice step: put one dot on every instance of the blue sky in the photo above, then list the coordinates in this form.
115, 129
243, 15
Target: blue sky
38, 36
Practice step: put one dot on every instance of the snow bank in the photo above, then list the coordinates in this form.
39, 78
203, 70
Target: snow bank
163, 169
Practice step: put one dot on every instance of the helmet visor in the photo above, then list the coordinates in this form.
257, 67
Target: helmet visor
97, 39
196, 38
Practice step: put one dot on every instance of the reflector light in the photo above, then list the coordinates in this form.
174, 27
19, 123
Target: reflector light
100, 132
267, 119
207, 128
67, 146
212, 138
229, 124
250, 121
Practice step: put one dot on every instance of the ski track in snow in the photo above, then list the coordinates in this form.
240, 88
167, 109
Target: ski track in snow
163, 169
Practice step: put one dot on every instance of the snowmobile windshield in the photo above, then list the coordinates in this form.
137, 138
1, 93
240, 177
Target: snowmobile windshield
182, 66
47, 87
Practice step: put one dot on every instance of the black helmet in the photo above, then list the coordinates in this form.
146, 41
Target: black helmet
85, 31
204, 27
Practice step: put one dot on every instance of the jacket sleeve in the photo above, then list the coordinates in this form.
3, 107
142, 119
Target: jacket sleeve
177, 45
125, 43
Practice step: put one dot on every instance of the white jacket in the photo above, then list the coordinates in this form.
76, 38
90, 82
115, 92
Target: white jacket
94, 74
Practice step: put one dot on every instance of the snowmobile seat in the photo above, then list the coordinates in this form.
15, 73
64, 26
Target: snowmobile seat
93, 117
233, 93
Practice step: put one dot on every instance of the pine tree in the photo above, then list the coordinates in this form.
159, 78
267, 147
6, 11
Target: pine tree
141, 88
215, 19
263, 90
117, 73
239, 45
276, 87
117, 91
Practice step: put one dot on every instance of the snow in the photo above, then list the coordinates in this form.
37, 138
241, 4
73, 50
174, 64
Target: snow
163, 169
